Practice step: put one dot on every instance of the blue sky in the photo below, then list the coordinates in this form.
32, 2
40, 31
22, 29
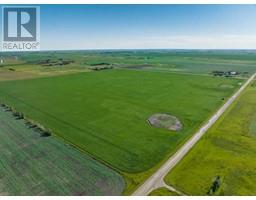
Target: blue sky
147, 26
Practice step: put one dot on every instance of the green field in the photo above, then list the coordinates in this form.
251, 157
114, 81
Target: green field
227, 150
34, 165
105, 113
29, 64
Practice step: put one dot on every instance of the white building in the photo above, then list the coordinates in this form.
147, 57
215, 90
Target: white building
233, 73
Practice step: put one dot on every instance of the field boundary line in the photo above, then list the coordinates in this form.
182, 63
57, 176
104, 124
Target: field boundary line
156, 179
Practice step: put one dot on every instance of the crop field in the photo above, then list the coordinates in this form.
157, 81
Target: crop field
101, 101
34, 165
226, 151
38, 64
109, 109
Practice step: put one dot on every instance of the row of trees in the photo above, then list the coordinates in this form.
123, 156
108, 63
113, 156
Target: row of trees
29, 123
215, 185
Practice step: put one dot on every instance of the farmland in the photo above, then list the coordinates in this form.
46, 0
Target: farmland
110, 109
34, 165
227, 151
38, 64
100, 101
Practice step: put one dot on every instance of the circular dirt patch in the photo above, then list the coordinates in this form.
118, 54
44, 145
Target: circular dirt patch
166, 121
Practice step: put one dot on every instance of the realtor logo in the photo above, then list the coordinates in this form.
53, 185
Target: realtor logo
20, 28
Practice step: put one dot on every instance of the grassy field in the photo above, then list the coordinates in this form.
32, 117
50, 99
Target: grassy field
30, 71
227, 150
109, 109
34, 165
180, 61
163, 192
105, 112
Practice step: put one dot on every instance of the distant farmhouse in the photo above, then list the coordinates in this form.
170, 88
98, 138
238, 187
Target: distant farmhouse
226, 74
